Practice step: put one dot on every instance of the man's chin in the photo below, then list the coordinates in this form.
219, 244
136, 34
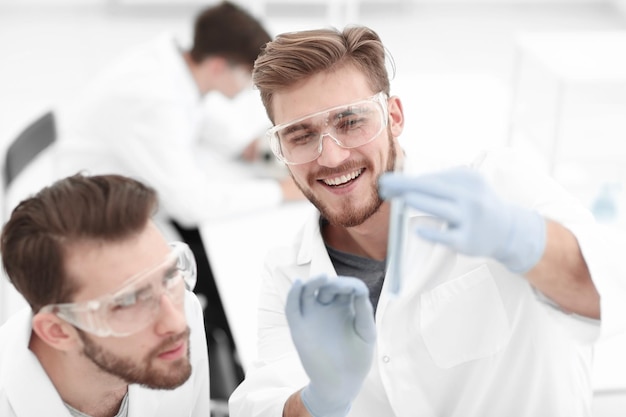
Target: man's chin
178, 374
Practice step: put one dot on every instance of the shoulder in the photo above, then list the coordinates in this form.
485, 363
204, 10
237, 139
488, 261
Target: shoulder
16, 330
193, 310
298, 247
508, 159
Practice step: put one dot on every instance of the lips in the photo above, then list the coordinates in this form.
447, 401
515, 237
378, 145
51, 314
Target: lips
342, 179
175, 352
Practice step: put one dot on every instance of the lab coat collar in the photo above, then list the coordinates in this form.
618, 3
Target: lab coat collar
142, 401
313, 243
172, 57
27, 376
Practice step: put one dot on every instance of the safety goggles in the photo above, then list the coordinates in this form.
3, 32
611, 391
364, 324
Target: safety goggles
134, 306
349, 125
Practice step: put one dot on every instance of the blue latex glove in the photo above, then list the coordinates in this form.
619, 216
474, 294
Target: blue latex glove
332, 327
478, 222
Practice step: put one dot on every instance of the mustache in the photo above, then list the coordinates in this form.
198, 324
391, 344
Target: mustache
341, 169
169, 342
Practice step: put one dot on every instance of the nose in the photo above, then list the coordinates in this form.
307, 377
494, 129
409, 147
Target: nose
331, 154
171, 316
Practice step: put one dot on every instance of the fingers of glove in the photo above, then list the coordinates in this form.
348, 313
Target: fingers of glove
349, 285
364, 324
443, 236
457, 239
441, 184
445, 209
292, 306
301, 292
393, 185
340, 290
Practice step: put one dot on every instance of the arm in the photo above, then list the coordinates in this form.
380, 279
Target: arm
479, 223
152, 138
199, 356
332, 326
294, 406
562, 273
277, 372
162, 150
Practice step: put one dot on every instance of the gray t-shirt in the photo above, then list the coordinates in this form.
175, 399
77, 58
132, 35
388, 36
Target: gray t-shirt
123, 411
370, 271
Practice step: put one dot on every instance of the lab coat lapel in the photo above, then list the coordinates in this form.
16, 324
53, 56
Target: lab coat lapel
313, 251
31, 393
142, 401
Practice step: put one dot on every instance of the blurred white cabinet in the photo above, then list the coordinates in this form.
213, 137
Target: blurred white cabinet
338, 12
569, 101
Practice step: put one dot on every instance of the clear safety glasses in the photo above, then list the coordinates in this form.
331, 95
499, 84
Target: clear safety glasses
349, 125
134, 306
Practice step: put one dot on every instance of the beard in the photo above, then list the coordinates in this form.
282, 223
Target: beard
142, 373
348, 214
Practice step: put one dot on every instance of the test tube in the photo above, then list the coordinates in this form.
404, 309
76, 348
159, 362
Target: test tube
395, 240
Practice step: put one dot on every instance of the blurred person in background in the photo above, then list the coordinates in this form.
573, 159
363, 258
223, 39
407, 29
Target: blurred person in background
112, 328
144, 116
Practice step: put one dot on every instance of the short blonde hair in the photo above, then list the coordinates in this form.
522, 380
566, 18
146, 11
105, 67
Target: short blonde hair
296, 56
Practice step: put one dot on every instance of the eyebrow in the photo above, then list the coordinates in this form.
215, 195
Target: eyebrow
331, 113
296, 127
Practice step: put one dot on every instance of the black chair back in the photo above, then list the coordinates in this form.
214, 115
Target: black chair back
27, 145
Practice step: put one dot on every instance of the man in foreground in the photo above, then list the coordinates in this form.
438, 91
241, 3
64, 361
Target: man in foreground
503, 279
113, 328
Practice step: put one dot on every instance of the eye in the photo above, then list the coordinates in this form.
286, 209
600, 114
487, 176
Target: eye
301, 139
349, 122
298, 136
130, 299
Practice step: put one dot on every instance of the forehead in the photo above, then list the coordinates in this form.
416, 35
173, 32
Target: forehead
101, 268
319, 92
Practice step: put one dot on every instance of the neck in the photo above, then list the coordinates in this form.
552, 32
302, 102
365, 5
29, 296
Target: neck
368, 239
195, 69
79, 382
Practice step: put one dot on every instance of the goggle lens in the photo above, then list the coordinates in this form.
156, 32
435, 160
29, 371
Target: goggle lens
350, 126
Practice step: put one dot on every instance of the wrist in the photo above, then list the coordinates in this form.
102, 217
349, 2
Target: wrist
294, 407
319, 406
526, 241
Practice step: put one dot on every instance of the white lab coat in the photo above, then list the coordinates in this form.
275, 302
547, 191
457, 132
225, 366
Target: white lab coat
143, 117
465, 338
26, 390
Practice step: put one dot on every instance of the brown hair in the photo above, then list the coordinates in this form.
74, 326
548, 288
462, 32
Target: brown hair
97, 208
293, 57
228, 31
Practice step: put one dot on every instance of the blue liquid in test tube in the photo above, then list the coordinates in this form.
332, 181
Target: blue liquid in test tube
395, 242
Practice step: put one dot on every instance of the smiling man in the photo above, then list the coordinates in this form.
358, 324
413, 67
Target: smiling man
505, 280
113, 328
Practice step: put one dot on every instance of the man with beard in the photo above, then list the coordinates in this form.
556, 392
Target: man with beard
113, 328
497, 304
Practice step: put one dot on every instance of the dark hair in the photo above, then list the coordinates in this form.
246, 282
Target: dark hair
228, 31
293, 57
42, 227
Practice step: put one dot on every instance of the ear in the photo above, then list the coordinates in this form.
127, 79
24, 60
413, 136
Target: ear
55, 332
396, 116
215, 64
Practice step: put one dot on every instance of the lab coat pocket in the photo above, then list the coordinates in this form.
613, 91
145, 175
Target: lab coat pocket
464, 319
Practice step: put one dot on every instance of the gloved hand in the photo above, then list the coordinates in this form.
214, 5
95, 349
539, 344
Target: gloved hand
479, 223
332, 327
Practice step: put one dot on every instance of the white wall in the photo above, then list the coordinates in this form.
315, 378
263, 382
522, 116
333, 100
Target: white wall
254, 3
